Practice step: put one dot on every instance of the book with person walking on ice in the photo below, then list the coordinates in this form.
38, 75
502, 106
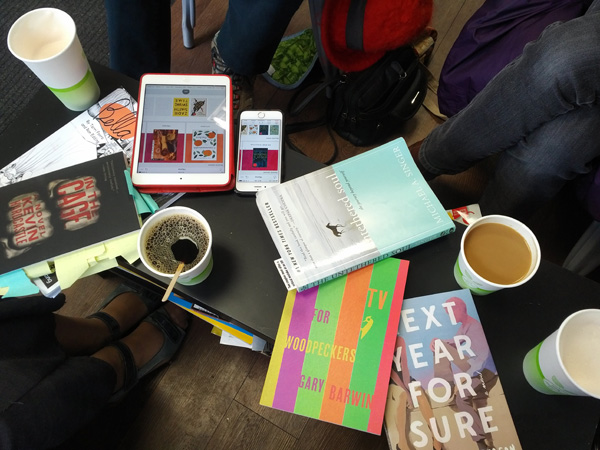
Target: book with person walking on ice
333, 351
63, 211
445, 391
351, 214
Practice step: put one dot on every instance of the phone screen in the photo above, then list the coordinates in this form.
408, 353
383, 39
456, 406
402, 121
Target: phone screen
259, 146
183, 129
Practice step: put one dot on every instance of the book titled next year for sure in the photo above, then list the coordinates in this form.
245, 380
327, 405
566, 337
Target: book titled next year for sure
445, 391
351, 214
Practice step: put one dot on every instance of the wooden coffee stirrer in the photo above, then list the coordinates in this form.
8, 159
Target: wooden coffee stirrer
185, 251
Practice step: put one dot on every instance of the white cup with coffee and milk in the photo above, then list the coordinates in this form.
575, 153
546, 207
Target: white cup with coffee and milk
496, 252
568, 361
162, 230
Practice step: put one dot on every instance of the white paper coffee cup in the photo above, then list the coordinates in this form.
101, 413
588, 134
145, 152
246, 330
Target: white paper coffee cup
468, 278
568, 361
200, 271
46, 41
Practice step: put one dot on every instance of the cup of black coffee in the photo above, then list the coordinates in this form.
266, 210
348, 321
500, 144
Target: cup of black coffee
164, 237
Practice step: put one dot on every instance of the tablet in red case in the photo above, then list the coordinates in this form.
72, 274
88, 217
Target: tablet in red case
184, 134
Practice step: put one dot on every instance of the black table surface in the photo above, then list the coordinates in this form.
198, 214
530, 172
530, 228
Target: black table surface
245, 287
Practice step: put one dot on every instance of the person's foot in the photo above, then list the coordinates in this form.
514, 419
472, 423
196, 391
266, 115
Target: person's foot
123, 309
242, 85
149, 346
127, 309
414, 152
147, 339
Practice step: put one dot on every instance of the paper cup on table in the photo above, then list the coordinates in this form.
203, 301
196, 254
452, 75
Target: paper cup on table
568, 361
493, 257
46, 41
165, 227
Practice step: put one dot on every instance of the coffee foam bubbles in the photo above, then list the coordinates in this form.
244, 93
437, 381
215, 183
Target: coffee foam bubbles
160, 238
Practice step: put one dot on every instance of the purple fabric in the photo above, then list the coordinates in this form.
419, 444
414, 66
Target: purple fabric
493, 37
593, 200
588, 191
593, 197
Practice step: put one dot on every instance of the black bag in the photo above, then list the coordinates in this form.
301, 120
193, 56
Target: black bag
369, 106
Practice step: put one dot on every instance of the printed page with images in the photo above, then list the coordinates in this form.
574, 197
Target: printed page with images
105, 128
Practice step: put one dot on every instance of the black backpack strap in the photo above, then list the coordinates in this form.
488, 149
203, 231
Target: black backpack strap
354, 24
295, 110
298, 127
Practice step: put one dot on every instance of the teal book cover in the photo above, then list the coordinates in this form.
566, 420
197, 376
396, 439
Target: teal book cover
351, 214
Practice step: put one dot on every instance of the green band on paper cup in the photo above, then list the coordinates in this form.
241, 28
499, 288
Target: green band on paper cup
555, 366
533, 372
466, 282
198, 278
543, 370
80, 96
74, 87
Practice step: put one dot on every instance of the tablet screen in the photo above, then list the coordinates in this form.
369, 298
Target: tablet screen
183, 130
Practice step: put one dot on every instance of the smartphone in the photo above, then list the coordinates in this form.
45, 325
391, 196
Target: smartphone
259, 156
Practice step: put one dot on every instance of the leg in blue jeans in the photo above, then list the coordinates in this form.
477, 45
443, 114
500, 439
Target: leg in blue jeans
534, 170
518, 115
139, 35
252, 31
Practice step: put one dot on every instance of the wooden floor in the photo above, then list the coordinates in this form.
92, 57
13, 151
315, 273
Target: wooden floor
208, 397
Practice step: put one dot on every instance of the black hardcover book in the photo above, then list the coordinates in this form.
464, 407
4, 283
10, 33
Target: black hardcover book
64, 211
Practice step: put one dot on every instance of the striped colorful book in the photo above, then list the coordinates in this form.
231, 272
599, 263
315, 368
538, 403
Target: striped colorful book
334, 347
